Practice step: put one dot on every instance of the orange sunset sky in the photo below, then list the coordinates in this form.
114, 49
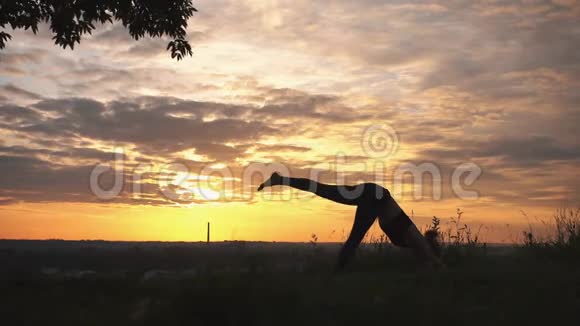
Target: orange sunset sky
490, 83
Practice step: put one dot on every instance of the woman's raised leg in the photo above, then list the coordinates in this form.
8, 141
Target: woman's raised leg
342, 194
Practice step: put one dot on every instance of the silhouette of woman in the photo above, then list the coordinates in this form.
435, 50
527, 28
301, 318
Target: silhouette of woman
372, 201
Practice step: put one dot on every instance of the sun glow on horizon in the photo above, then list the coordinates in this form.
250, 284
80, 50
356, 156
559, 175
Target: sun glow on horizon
193, 139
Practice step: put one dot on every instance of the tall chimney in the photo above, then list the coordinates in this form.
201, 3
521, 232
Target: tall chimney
207, 232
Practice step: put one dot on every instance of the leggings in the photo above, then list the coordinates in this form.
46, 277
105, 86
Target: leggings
370, 199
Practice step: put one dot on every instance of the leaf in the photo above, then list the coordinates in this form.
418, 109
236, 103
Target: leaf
70, 20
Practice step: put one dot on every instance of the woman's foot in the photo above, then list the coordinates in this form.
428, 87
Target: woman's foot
275, 179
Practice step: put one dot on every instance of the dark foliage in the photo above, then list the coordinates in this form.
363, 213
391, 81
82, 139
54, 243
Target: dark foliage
70, 19
241, 283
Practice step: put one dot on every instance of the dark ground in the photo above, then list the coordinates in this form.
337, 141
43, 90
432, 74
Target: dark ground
236, 283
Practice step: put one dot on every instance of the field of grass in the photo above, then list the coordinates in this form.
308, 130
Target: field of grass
255, 283
237, 283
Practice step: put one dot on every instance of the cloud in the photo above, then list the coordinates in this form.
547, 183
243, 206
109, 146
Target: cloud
14, 58
11, 94
152, 127
530, 150
281, 148
14, 113
65, 136
295, 81
74, 153
34, 180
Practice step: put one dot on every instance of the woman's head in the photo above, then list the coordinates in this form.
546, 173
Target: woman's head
432, 237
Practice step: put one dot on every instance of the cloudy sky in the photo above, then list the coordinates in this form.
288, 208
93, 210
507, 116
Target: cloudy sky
491, 83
